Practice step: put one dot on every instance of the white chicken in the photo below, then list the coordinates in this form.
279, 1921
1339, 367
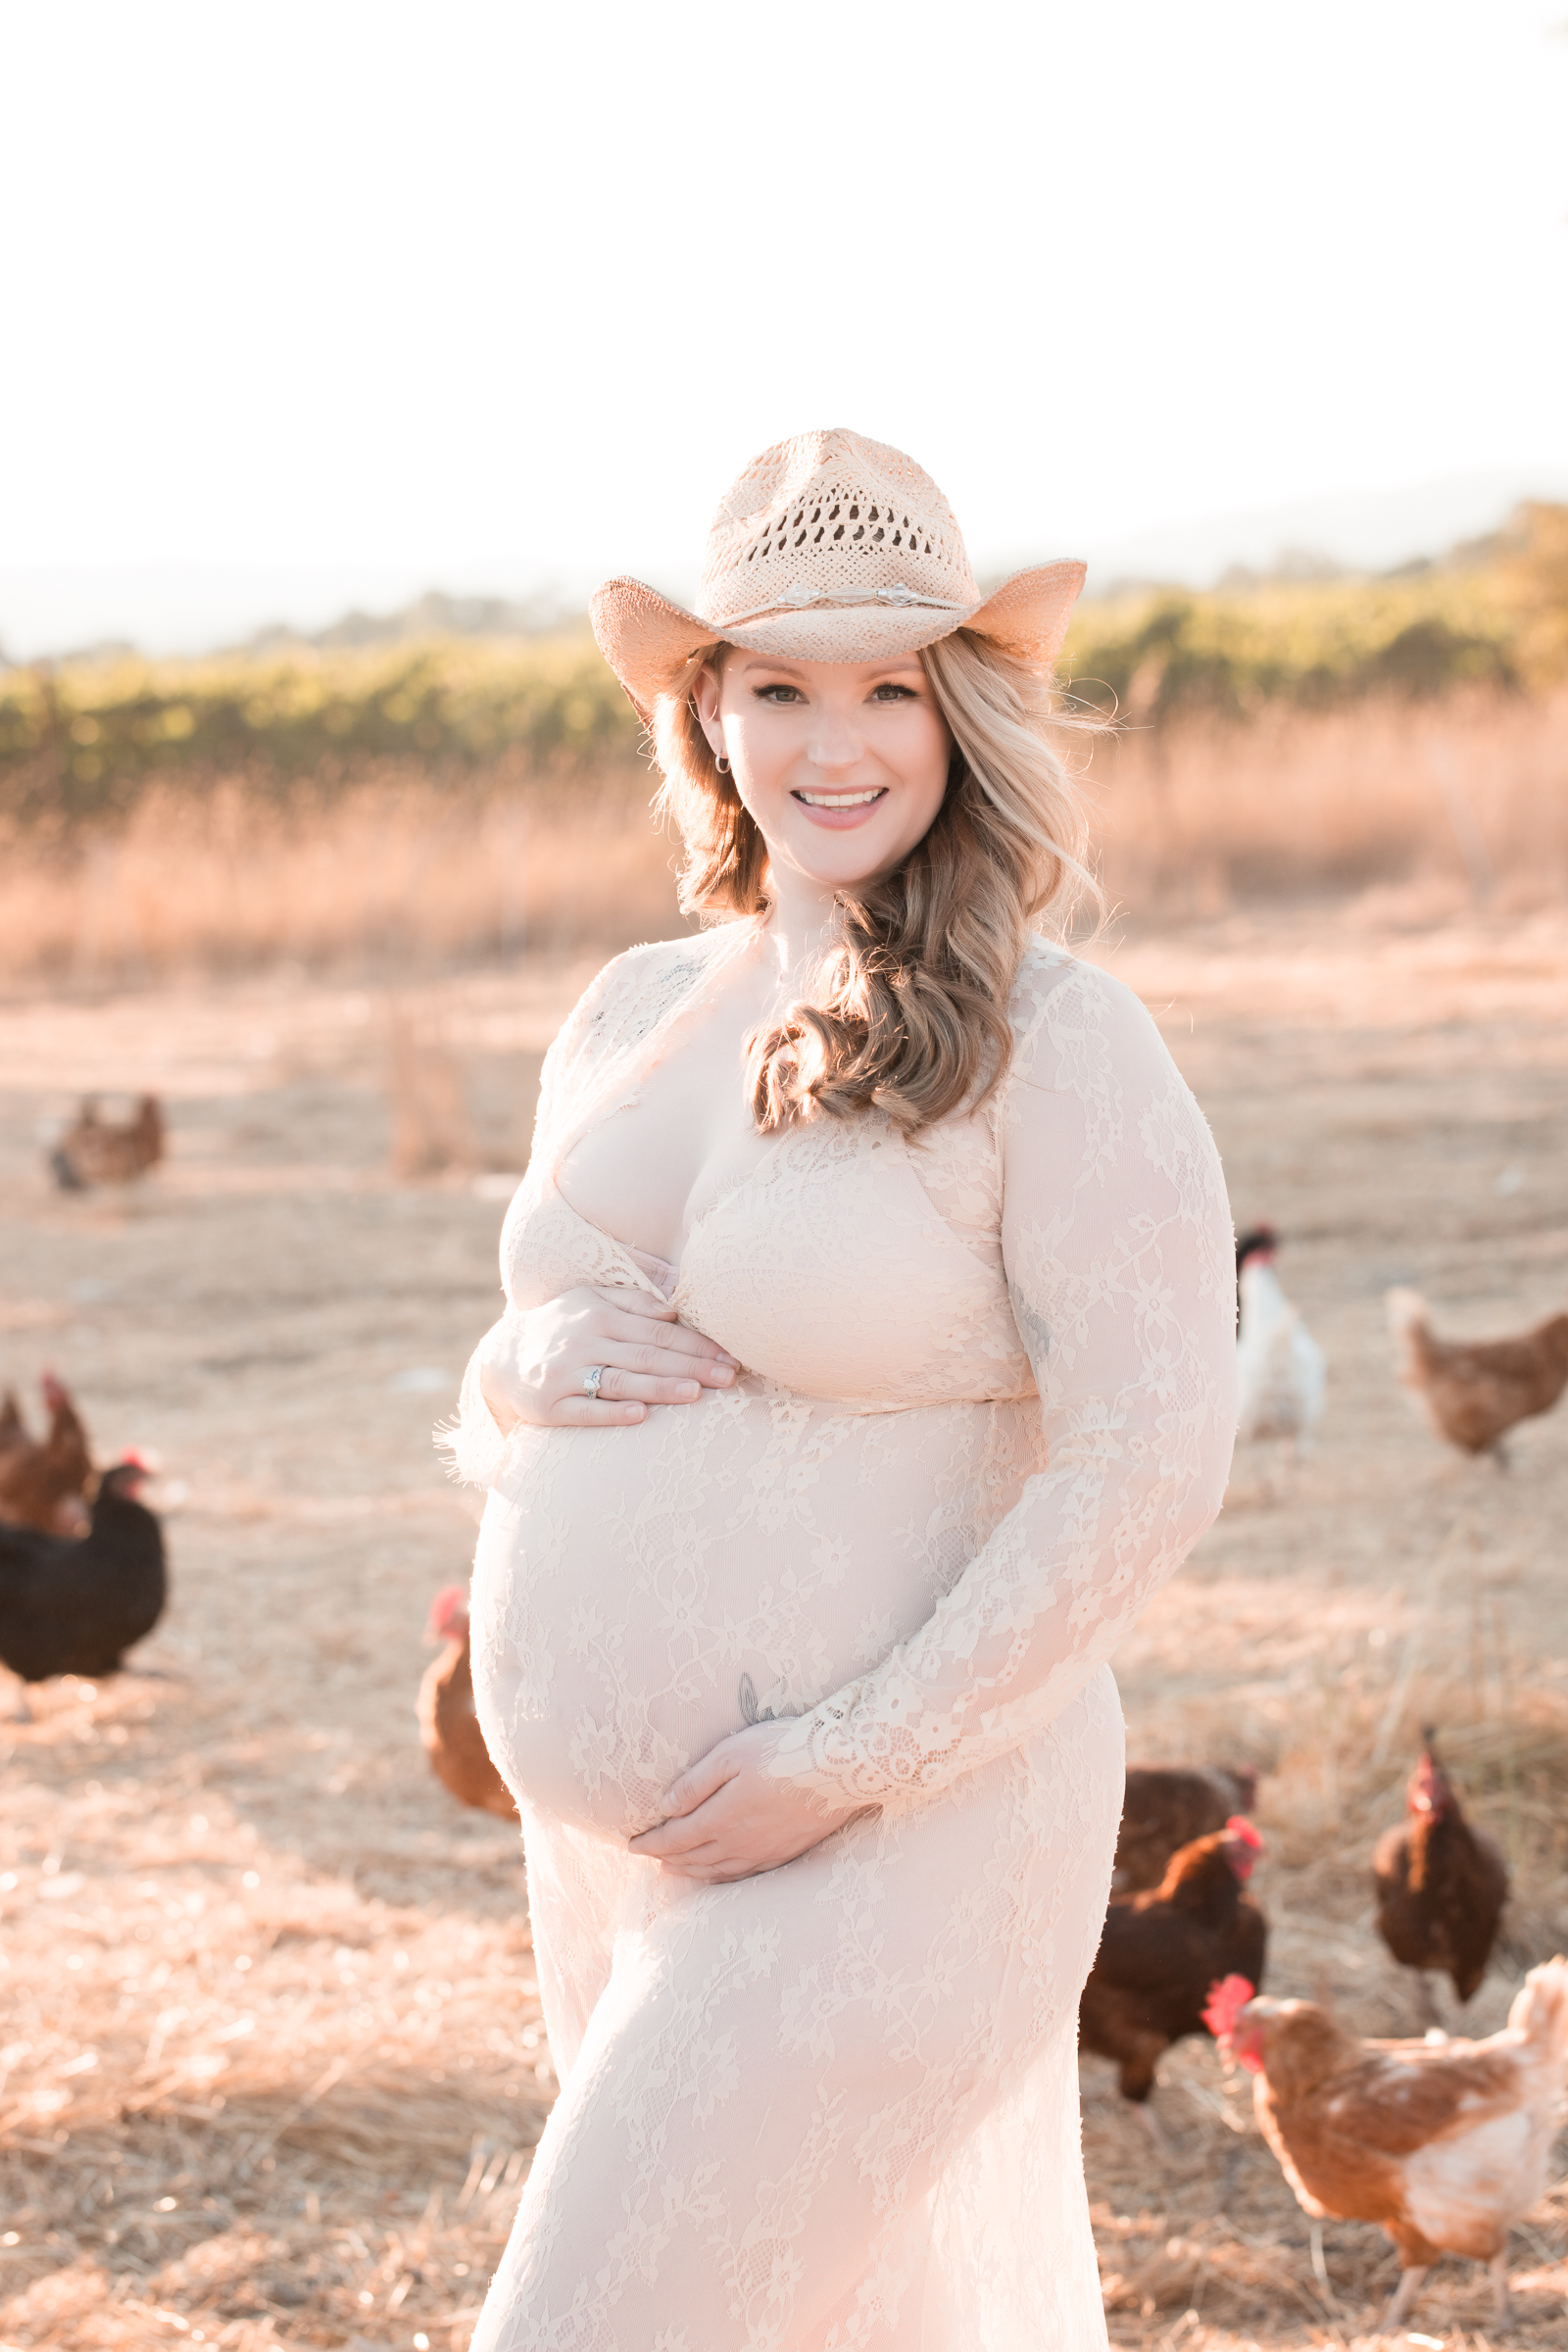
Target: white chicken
1283, 1376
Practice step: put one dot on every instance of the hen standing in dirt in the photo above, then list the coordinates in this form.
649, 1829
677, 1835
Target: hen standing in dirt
43, 1482
1280, 1365
98, 1150
449, 1728
1473, 1392
1162, 1951
76, 1607
1441, 1885
1444, 2143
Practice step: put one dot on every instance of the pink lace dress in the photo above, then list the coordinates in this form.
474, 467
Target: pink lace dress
987, 1407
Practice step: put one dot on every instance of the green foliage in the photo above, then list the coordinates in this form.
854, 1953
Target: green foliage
1164, 655
84, 742
1533, 576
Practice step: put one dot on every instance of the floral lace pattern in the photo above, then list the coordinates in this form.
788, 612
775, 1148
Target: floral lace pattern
987, 1404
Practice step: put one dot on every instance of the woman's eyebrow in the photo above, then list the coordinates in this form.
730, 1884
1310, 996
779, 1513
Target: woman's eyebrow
870, 673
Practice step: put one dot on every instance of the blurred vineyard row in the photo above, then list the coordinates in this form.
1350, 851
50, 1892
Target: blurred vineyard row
83, 743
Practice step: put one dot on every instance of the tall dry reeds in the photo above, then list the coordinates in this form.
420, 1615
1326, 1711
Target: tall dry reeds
403, 870
1471, 790
396, 875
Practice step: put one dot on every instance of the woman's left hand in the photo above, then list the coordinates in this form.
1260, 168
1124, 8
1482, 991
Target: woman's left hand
726, 1819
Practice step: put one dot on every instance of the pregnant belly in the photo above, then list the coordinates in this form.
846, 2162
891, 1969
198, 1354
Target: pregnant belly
641, 1592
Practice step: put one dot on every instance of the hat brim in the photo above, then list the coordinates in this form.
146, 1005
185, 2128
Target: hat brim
650, 643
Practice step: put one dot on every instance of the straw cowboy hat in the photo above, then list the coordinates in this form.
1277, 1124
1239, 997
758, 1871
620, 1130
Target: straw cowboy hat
829, 548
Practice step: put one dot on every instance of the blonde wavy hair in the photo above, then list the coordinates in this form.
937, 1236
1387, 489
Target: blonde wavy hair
910, 1012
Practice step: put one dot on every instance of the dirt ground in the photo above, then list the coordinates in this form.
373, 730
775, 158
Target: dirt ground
271, 2055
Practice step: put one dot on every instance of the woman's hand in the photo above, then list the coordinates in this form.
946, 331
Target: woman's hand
532, 1364
728, 1820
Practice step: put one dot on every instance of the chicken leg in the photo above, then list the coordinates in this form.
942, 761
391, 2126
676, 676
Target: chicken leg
1404, 2301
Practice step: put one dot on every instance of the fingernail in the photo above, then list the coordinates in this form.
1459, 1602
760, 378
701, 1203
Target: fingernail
723, 1374
690, 1388
632, 1412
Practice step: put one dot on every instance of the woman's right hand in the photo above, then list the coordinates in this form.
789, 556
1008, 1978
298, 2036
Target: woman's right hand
532, 1362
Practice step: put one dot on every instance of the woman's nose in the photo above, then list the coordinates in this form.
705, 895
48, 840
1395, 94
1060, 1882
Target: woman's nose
836, 743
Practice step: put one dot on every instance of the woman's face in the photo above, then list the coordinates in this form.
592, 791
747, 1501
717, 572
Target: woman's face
842, 764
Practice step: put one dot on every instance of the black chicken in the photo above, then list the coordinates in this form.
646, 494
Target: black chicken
75, 1606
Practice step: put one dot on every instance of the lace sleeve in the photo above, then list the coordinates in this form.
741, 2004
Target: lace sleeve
1118, 1243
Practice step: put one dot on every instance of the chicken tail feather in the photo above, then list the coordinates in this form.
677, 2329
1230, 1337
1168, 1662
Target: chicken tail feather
1540, 2010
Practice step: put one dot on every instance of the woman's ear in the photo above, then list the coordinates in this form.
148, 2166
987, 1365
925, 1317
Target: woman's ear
705, 701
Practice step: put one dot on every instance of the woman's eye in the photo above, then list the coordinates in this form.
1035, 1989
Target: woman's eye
890, 692
778, 694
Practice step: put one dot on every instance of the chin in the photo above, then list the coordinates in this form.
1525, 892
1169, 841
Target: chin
861, 878
850, 868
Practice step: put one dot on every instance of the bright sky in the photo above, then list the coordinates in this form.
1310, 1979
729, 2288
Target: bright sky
486, 294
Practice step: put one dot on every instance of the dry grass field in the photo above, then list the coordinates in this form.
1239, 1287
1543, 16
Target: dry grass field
270, 2057
1461, 799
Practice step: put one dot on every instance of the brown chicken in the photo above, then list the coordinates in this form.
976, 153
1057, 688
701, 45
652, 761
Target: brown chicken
1444, 2144
448, 1724
1441, 1885
99, 1150
1162, 1950
45, 1482
1166, 1807
1473, 1390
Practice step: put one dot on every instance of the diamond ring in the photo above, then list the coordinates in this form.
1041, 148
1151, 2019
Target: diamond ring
592, 1377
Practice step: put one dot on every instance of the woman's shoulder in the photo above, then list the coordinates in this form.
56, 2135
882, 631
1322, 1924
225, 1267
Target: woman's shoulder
1053, 983
1069, 1014
642, 984
632, 995
656, 959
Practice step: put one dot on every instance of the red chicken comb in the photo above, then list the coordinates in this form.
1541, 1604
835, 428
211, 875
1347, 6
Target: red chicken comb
449, 1604
1228, 1997
1242, 1830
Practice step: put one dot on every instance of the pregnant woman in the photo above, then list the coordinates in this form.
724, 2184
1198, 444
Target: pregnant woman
868, 1360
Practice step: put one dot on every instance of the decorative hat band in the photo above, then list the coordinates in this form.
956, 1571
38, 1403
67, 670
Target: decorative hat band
796, 597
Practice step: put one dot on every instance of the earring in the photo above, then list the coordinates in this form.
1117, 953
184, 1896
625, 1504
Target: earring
722, 763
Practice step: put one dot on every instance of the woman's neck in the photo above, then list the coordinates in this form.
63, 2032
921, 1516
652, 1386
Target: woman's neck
801, 924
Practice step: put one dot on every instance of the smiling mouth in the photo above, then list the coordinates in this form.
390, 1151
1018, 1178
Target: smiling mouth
841, 800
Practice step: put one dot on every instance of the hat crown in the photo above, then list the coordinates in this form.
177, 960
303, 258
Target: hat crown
833, 517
